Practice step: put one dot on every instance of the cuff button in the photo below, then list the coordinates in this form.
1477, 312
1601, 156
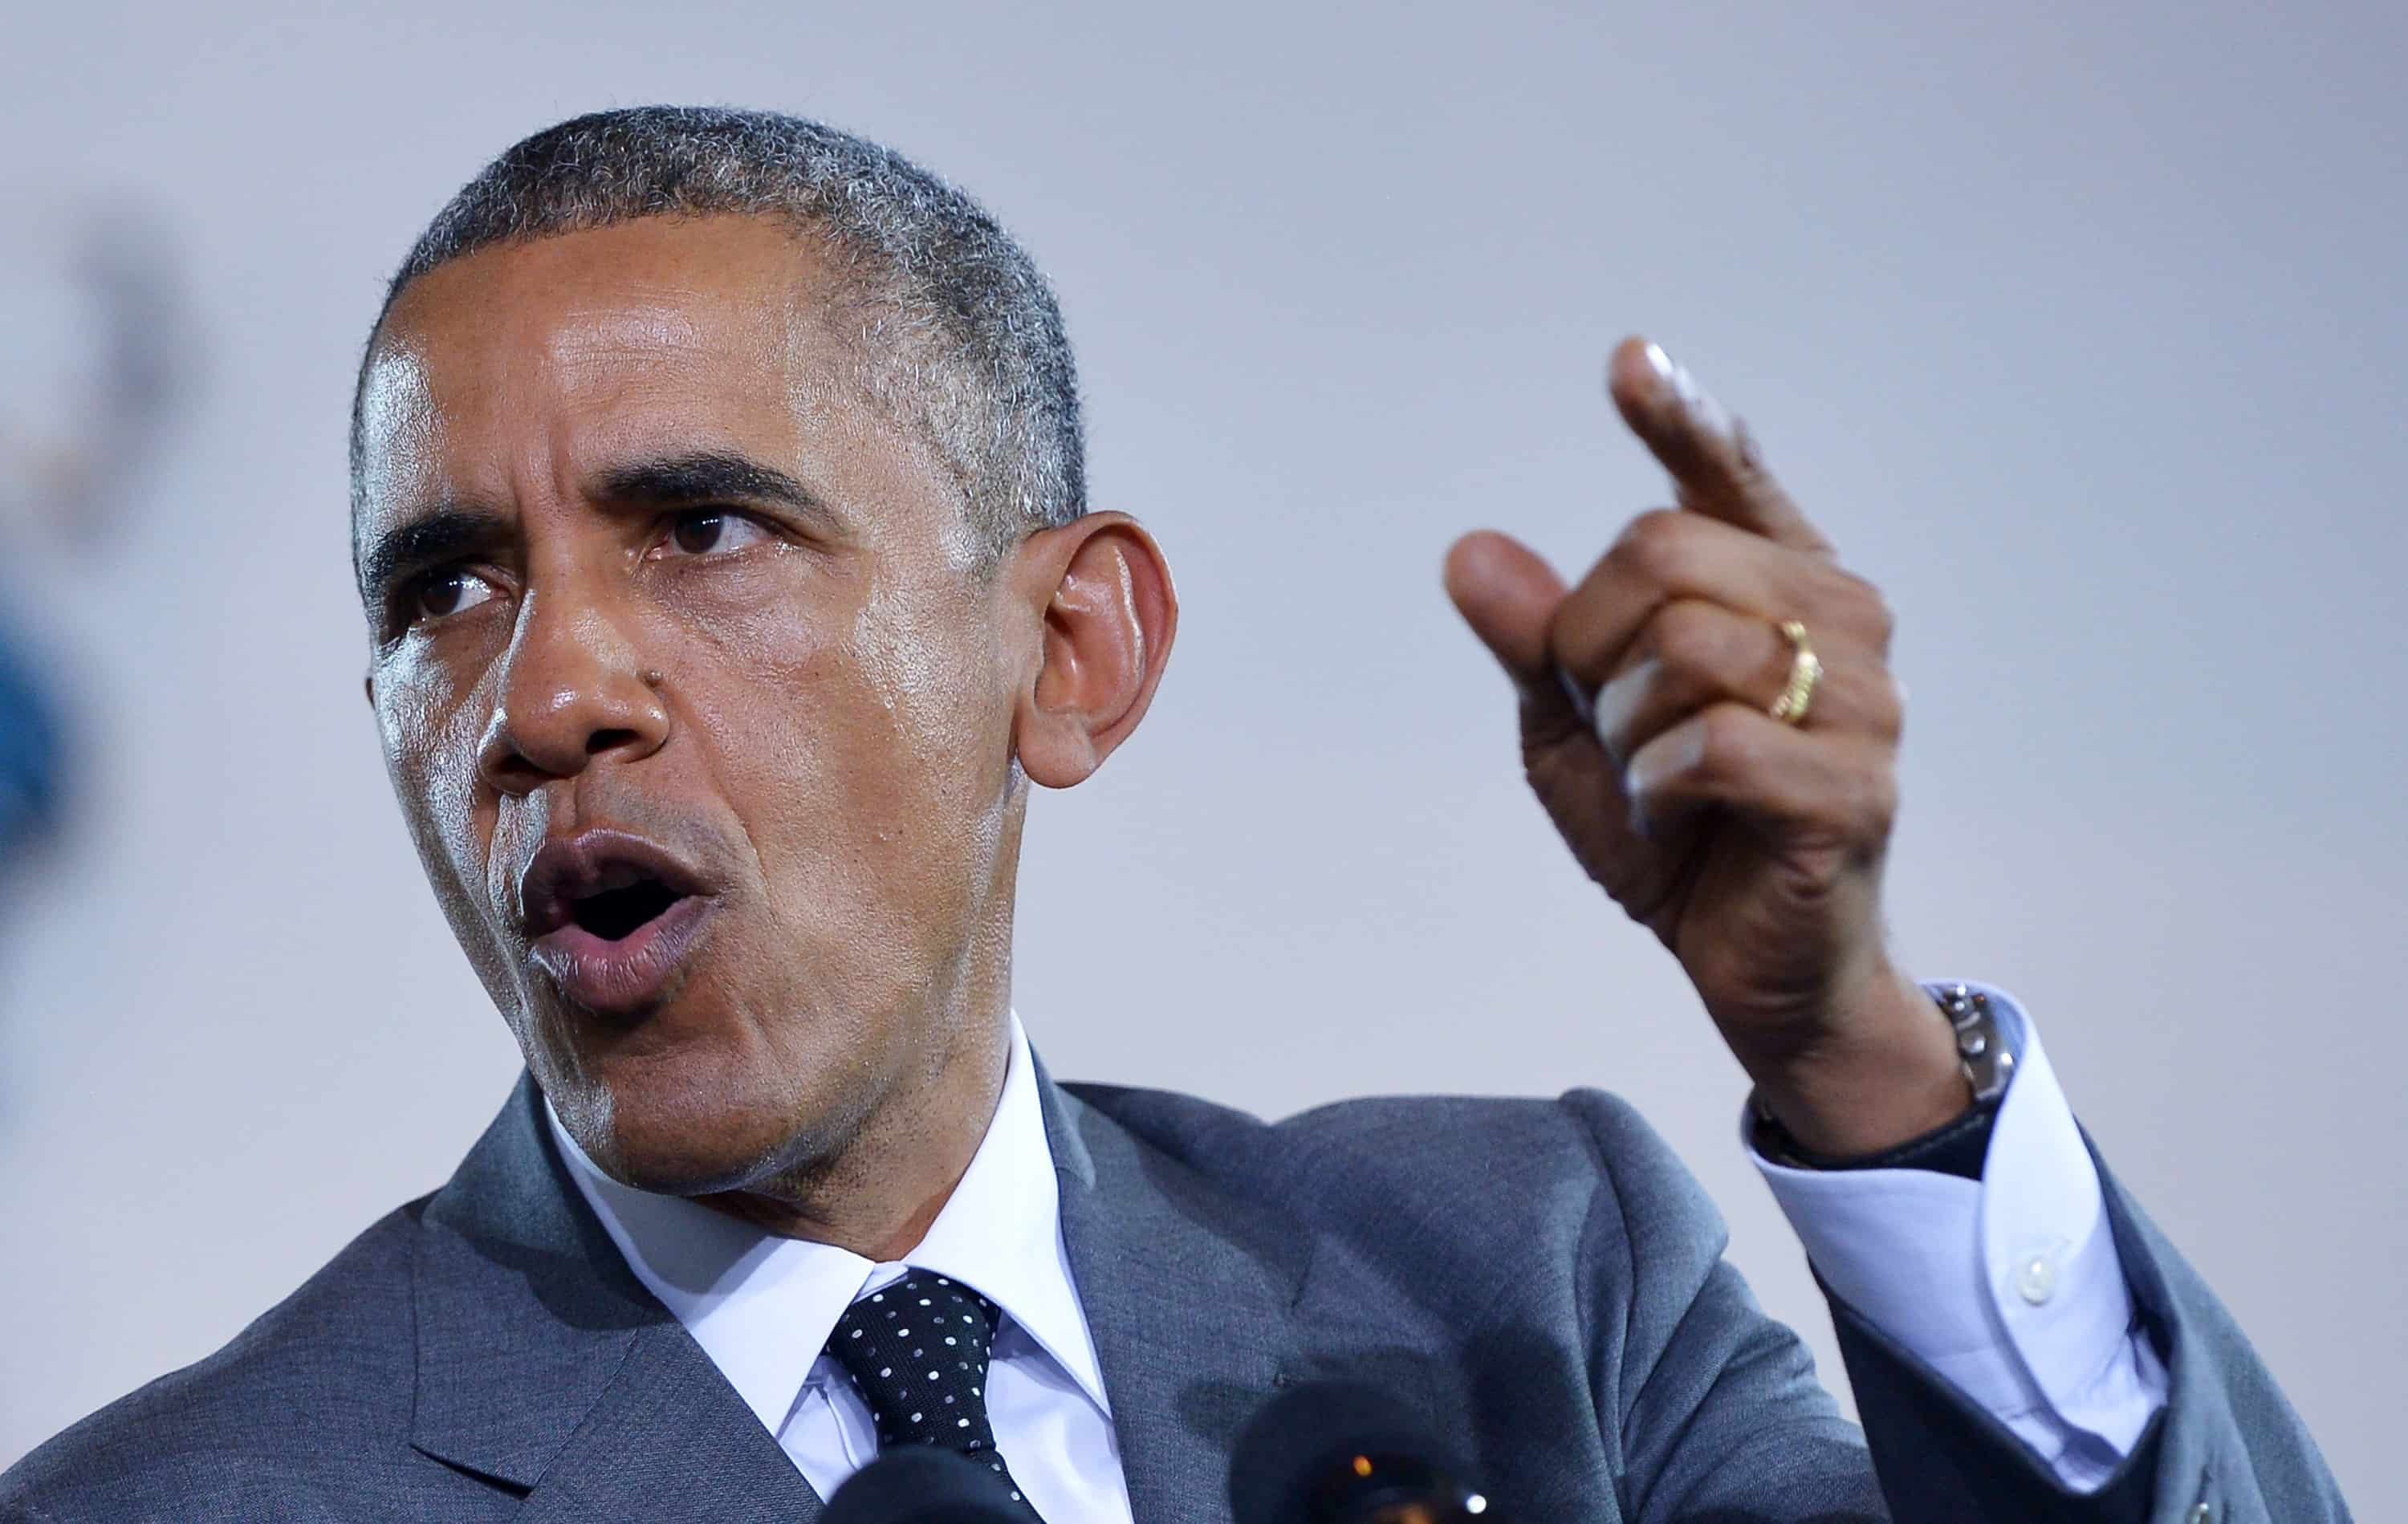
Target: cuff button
2036, 1279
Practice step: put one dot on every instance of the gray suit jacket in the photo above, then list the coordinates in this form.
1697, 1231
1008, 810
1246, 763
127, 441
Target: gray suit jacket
1544, 1277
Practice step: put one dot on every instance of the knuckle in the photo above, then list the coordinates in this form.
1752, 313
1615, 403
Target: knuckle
1570, 637
1876, 799
1869, 611
1654, 545
1886, 706
1684, 636
1724, 741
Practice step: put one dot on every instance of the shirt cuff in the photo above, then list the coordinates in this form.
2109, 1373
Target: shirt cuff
2010, 1286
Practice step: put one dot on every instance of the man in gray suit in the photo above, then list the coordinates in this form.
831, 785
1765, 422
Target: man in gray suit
719, 517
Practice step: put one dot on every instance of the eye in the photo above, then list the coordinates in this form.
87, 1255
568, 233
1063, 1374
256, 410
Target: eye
702, 532
446, 591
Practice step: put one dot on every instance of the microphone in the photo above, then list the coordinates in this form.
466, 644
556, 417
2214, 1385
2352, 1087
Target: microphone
1338, 1452
920, 1484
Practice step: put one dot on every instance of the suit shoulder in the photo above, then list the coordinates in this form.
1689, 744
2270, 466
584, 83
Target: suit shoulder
325, 1373
1476, 1158
1462, 1211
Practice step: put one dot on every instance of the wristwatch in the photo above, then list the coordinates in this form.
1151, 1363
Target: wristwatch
1979, 1052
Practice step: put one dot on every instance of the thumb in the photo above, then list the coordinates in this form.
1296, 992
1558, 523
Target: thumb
1508, 594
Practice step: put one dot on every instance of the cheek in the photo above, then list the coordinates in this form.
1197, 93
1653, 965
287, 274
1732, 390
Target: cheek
868, 753
429, 733
929, 672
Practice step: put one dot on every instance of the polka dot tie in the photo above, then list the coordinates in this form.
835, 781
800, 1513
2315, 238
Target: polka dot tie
917, 1353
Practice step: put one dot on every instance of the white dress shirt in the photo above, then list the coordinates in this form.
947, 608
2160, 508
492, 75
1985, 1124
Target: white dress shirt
762, 1308
2009, 1286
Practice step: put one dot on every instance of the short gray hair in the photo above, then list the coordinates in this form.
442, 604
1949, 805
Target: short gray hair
960, 335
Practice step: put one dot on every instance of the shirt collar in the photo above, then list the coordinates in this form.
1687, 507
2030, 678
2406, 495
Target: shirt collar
762, 1307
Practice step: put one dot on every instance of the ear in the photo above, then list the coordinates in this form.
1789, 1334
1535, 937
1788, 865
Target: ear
1106, 616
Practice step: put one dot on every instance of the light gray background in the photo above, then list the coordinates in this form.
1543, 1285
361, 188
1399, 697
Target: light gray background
2078, 326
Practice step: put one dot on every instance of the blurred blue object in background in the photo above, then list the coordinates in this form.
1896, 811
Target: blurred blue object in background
92, 348
33, 748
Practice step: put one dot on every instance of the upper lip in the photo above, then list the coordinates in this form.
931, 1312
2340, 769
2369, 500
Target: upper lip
566, 870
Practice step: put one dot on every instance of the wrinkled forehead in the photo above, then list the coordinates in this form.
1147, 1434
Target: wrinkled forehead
540, 360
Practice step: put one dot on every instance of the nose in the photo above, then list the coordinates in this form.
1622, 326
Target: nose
573, 689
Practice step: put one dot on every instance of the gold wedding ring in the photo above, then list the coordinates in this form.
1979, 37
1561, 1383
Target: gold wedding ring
1805, 670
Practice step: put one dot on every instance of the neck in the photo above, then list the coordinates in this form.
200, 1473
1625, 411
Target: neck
876, 1188
878, 1194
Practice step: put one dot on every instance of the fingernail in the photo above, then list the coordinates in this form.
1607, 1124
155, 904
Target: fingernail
1707, 413
1578, 697
1704, 412
1684, 385
1616, 702
1668, 756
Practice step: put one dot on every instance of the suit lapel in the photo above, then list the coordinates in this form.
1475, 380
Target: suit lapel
1188, 1293
669, 1439
545, 1366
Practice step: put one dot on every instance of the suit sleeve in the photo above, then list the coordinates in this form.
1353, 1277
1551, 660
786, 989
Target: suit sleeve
2227, 1448
2002, 1277
1717, 1417
1711, 1406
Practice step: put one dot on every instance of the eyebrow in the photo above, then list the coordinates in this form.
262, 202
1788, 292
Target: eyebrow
452, 531
446, 533
711, 476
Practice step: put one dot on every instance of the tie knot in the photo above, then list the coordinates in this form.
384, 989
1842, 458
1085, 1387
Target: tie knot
917, 1353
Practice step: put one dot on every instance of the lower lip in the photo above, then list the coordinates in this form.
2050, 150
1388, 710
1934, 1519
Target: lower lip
630, 975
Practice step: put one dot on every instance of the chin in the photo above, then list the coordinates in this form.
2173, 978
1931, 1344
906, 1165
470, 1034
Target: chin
689, 1123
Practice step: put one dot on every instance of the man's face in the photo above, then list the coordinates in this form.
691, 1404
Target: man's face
697, 705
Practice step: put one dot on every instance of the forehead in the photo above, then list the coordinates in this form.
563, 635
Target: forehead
558, 353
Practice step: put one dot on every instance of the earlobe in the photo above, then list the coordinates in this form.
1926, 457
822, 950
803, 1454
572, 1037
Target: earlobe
1106, 614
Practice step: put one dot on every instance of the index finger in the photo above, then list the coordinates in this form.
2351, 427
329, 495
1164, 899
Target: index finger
1713, 461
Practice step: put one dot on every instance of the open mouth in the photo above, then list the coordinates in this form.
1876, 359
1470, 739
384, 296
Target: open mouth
629, 900
610, 918
607, 884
